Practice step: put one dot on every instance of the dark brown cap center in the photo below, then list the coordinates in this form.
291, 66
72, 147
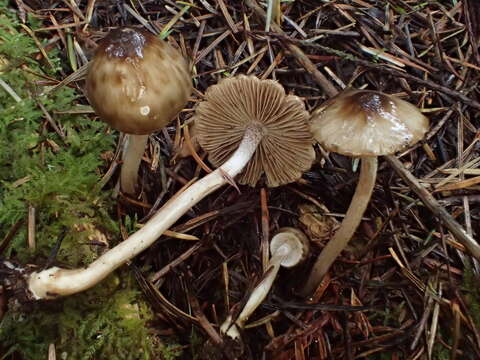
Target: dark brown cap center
125, 43
373, 102
369, 103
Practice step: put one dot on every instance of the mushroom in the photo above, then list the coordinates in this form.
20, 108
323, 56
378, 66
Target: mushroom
246, 109
137, 83
288, 248
365, 124
247, 122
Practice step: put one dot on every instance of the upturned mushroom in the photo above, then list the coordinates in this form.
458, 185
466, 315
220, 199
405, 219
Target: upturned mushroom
365, 124
245, 123
137, 83
288, 248
245, 109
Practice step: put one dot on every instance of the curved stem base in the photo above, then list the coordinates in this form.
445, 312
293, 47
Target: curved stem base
54, 282
257, 296
363, 192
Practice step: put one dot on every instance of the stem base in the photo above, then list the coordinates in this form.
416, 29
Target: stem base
363, 192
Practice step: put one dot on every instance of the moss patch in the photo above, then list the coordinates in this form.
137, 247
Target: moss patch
56, 173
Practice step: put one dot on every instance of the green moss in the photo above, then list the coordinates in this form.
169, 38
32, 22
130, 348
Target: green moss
58, 177
93, 325
57, 181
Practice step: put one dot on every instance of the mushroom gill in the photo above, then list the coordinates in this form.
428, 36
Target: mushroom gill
235, 104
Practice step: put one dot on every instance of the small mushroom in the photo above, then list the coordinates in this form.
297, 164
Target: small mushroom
364, 124
137, 83
241, 119
288, 248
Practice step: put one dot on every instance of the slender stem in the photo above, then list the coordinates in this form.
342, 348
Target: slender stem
132, 156
363, 192
54, 282
262, 289
258, 294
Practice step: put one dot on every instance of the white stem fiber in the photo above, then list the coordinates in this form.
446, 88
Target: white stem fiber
261, 290
132, 157
54, 282
258, 294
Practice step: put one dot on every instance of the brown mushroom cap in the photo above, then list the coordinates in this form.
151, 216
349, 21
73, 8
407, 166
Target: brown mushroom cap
136, 82
233, 105
367, 123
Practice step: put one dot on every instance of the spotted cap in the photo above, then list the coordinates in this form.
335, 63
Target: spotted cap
137, 82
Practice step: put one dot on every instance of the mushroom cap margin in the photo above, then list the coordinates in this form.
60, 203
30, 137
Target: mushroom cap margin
137, 88
367, 123
234, 104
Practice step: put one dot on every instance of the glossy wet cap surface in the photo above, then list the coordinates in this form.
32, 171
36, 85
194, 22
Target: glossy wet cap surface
137, 82
367, 123
126, 42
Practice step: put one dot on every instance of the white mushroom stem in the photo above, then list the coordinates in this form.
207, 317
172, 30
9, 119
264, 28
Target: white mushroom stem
132, 157
288, 247
258, 294
363, 192
54, 282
